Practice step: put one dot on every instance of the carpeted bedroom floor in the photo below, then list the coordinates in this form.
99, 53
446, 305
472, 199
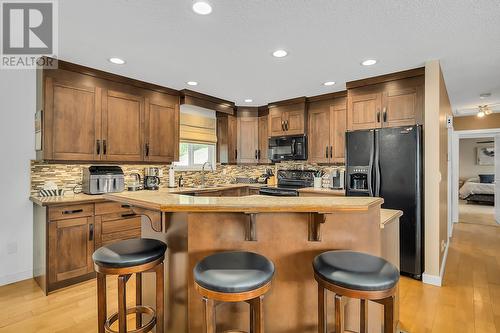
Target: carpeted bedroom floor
476, 214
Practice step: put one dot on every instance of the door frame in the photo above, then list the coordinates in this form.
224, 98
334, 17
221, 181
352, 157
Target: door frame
453, 169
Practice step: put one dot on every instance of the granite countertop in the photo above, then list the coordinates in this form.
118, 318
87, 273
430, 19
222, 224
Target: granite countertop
166, 201
82, 198
322, 190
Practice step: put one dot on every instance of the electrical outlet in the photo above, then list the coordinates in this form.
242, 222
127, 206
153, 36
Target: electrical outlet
12, 248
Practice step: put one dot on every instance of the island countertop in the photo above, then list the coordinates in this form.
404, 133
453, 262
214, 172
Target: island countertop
166, 201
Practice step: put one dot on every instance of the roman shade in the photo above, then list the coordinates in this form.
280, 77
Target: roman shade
197, 129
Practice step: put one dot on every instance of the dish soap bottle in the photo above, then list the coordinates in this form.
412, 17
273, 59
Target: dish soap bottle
171, 177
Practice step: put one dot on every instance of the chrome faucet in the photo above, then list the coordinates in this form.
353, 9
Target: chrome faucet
203, 172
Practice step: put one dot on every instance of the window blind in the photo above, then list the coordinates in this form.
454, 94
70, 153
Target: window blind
197, 129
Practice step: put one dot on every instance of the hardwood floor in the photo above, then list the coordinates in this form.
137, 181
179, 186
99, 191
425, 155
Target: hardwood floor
469, 301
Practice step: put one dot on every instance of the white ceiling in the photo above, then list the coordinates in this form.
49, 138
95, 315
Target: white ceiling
229, 51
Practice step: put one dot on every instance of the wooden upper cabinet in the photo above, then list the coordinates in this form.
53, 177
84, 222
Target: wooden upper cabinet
327, 127
275, 121
338, 128
122, 126
226, 138
387, 101
287, 117
364, 111
248, 139
72, 120
161, 129
319, 134
263, 140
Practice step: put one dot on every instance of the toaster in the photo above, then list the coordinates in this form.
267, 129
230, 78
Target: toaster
99, 179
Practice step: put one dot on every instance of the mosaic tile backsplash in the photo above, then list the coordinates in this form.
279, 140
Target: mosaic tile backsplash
69, 176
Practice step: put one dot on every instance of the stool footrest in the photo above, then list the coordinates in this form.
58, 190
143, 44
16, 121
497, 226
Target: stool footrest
139, 310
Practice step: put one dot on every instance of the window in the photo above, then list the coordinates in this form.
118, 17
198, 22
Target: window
193, 155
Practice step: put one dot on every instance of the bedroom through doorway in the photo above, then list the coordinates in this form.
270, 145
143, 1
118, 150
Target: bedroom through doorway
476, 180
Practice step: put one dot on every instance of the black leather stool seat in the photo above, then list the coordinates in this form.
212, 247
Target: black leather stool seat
355, 270
233, 272
129, 253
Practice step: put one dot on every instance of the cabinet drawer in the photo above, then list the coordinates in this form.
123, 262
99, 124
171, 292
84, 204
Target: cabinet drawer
122, 235
111, 207
70, 212
115, 226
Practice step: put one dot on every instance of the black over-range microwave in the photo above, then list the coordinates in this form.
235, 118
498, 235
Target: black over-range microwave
287, 148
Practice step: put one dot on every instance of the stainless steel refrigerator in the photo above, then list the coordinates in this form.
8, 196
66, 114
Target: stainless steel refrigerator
387, 163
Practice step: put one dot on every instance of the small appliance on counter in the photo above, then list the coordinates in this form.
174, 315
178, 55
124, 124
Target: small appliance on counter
289, 181
337, 179
99, 179
152, 178
135, 184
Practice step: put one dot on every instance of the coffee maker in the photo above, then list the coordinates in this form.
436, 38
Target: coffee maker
152, 178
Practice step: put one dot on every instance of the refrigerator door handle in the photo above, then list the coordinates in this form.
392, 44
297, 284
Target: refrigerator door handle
377, 164
370, 172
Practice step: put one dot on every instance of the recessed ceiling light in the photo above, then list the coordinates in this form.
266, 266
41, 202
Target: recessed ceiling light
369, 62
485, 95
280, 53
481, 114
248, 100
202, 8
116, 61
192, 83
329, 83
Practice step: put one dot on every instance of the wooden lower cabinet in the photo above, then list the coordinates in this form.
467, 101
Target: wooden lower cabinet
65, 237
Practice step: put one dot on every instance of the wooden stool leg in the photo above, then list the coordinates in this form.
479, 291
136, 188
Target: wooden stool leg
122, 303
389, 315
339, 322
138, 298
101, 302
209, 313
363, 316
257, 315
322, 317
160, 298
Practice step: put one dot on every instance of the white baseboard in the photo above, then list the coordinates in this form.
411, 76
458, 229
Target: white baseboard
436, 280
11, 278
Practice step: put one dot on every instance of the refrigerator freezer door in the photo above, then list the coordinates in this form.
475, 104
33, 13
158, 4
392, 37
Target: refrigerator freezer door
400, 169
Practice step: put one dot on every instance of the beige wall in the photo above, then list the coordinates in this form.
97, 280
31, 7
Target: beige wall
437, 108
474, 122
468, 158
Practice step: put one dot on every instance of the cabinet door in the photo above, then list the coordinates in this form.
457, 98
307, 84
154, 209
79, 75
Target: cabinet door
319, 135
263, 139
248, 136
72, 113
402, 107
338, 129
161, 134
232, 139
364, 111
71, 244
122, 126
275, 122
294, 122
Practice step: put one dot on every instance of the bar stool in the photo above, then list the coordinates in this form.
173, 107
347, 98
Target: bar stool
355, 275
124, 258
233, 277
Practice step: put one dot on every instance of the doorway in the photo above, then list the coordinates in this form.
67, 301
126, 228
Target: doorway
475, 184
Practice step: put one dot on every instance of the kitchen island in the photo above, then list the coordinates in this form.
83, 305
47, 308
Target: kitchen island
290, 231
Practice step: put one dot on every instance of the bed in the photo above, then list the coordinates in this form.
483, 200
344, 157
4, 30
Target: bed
476, 192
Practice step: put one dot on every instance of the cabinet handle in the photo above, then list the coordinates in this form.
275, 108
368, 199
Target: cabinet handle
286, 125
74, 211
331, 151
125, 206
256, 154
378, 116
283, 125
146, 148
326, 152
384, 115
91, 232
98, 147
128, 214
104, 147
236, 154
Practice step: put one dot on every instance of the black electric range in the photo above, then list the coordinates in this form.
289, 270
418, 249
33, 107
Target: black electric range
289, 181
